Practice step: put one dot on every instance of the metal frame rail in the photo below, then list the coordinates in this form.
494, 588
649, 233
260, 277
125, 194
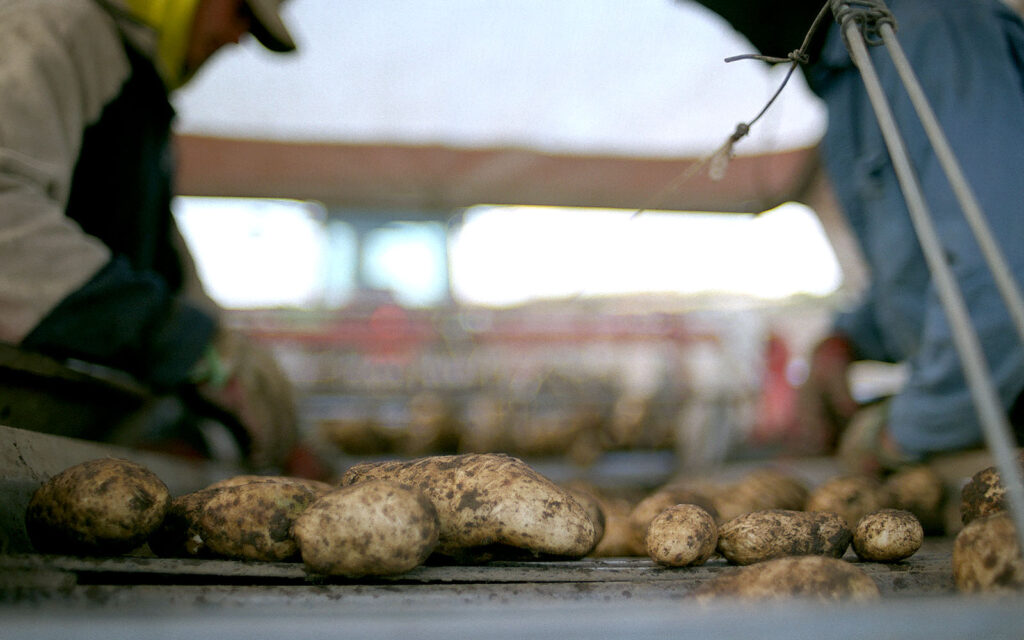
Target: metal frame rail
869, 22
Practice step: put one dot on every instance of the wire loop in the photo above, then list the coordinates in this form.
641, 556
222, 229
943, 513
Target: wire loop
868, 15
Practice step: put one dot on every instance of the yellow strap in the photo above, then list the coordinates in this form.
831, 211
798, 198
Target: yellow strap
172, 20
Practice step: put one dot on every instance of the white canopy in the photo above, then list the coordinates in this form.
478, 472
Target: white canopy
640, 77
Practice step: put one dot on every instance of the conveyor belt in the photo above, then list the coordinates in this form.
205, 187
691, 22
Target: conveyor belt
928, 572
60, 596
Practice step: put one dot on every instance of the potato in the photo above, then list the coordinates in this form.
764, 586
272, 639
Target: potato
921, 491
106, 506
852, 497
887, 535
807, 577
763, 535
682, 535
180, 535
760, 490
252, 521
483, 500
647, 509
372, 528
984, 494
987, 557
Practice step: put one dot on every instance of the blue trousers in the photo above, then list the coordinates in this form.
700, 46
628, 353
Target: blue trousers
969, 57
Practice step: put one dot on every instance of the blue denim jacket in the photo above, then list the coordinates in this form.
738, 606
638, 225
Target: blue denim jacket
969, 57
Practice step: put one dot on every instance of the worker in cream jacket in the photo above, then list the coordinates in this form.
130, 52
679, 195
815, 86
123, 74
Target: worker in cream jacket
92, 267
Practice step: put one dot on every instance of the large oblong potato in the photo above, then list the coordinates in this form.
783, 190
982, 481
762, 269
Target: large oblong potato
371, 528
105, 506
774, 533
683, 535
987, 557
815, 578
483, 500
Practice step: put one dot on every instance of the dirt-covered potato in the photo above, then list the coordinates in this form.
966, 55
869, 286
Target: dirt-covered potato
253, 521
372, 528
763, 535
106, 506
987, 557
887, 535
491, 500
816, 578
852, 497
646, 510
921, 491
681, 536
248, 521
760, 490
984, 494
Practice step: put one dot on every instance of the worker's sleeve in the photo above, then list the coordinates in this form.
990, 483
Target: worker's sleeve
61, 290
968, 59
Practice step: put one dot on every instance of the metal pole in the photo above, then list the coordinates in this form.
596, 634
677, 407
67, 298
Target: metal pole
995, 425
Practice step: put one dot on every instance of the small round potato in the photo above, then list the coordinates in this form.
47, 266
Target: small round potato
371, 528
814, 578
774, 533
987, 557
887, 535
106, 506
681, 536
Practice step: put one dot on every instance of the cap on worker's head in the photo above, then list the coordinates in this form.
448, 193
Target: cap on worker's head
267, 26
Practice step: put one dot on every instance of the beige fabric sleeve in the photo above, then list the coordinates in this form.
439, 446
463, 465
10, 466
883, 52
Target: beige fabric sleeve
60, 63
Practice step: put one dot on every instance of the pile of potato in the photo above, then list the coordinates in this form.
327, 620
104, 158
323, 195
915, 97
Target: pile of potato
386, 518
383, 519
789, 538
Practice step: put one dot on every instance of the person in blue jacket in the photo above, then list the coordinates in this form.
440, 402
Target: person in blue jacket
969, 58
92, 267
